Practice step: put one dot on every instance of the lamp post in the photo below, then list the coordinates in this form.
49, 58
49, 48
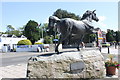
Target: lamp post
42, 32
39, 27
108, 50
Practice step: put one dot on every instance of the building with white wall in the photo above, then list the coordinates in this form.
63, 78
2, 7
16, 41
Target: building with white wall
9, 41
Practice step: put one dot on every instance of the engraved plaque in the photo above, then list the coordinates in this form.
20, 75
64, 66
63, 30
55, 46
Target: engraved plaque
77, 67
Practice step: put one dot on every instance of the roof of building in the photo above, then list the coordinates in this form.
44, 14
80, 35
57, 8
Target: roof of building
13, 36
21, 36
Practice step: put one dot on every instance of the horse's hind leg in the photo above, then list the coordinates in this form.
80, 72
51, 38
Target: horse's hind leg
78, 46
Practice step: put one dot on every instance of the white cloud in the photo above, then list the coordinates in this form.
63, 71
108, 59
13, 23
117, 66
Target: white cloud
101, 23
46, 21
101, 18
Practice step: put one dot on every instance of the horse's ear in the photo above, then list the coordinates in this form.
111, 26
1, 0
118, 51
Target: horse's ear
94, 11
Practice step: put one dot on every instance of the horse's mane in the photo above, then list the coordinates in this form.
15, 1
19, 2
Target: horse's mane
54, 18
86, 14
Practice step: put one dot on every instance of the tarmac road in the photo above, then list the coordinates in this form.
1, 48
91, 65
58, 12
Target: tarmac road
14, 64
13, 58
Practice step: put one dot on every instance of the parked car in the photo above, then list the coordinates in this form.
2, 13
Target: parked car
105, 44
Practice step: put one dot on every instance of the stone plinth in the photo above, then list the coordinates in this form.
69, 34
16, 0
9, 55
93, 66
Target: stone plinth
83, 64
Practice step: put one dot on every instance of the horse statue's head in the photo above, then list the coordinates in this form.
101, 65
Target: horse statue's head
90, 15
52, 21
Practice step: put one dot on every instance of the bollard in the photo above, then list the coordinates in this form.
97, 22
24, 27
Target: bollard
108, 50
115, 46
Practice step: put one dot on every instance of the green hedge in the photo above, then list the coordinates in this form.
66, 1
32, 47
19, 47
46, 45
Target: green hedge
38, 43
24, 42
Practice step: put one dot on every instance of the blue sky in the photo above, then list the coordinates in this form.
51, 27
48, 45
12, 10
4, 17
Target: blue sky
18, 14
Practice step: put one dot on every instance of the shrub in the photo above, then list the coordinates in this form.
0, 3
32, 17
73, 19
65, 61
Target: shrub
110, 62
24, 42
48, 40
38, 43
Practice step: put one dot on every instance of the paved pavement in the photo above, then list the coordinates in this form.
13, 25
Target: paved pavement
19, 70
112, 50
13, 71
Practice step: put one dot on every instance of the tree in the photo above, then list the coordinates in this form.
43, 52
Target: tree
17, 32
109, 36
48, 40
92, 37
32, 31
21, 30
11, 30
64, 14
43, 30
117, 36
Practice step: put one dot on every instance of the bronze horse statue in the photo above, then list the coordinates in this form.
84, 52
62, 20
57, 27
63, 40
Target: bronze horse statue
70, 27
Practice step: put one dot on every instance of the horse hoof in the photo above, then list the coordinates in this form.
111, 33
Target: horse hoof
57, 51
78, 49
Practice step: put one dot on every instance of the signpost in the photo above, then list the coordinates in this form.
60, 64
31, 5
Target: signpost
77, 67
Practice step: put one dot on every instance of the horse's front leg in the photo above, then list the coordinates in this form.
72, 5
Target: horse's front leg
56, 48
62, 38
79, 42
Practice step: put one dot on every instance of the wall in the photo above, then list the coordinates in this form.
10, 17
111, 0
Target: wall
26, 48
